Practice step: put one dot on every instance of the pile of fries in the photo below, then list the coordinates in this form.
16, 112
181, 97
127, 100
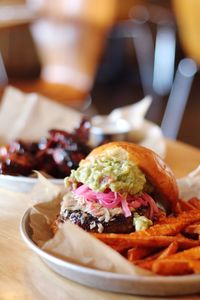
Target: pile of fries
170, 247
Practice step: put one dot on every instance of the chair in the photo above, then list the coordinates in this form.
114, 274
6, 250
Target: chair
161, 70
178, 98
187, 15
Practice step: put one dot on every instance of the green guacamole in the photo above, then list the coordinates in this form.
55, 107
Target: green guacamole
109, 171
141, 222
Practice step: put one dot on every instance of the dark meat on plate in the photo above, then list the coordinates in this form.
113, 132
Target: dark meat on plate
54, 155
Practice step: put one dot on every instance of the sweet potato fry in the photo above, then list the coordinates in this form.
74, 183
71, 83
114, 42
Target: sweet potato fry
147, 263
184, 205
177, 209
137, 253
193, 229
195, 265
171, 225
171, 267
171, 249
160, 217
185, 243
179, 235
170, 228
127, 241
121, 248
164, 247
195, 202
193, 253
178, 264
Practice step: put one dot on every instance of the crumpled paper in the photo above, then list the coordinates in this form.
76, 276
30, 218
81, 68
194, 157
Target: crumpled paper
189, 186
73, 244
30, 116
88, 251
133, 113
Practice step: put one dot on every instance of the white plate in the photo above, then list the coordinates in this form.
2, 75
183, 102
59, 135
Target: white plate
136, 285
22, 184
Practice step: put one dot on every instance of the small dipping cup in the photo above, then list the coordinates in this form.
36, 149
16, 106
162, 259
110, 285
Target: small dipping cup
105, 129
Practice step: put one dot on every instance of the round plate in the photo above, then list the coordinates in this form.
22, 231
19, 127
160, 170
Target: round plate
136, 285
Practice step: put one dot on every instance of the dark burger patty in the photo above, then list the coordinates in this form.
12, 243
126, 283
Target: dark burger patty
118, 223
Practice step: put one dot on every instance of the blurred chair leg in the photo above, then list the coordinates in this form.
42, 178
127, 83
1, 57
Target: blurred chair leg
140, 33
165, 48
178, 98
144, 49
3, 74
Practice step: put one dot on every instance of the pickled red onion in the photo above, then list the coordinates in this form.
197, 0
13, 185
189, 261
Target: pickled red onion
109, 200
125, 207
113, 199
82, 189
152, 204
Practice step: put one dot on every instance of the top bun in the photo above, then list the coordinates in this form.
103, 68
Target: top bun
157, 172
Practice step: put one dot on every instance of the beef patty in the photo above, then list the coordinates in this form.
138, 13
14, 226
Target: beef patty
117, 224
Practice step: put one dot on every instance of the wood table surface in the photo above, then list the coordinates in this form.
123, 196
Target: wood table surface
24, 276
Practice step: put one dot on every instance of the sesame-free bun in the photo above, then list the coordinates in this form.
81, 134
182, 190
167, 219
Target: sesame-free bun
157, 172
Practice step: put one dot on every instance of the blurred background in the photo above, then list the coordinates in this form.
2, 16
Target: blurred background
150, 48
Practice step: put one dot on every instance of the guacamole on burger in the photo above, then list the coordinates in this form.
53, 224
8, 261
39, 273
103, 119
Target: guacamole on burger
118, 188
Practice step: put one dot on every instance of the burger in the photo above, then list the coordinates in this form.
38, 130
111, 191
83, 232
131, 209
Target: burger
119, 187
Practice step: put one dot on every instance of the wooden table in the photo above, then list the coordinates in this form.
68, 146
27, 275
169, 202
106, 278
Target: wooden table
24, 276
182, 158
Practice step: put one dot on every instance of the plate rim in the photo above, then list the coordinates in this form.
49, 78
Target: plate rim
28, 180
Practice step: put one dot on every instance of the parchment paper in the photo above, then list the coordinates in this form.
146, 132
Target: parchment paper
30, 116
74, 244
134, 113
189, 186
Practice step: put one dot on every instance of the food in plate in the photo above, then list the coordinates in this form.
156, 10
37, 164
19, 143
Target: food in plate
55, 155
126, 196
119, 187
170, 247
